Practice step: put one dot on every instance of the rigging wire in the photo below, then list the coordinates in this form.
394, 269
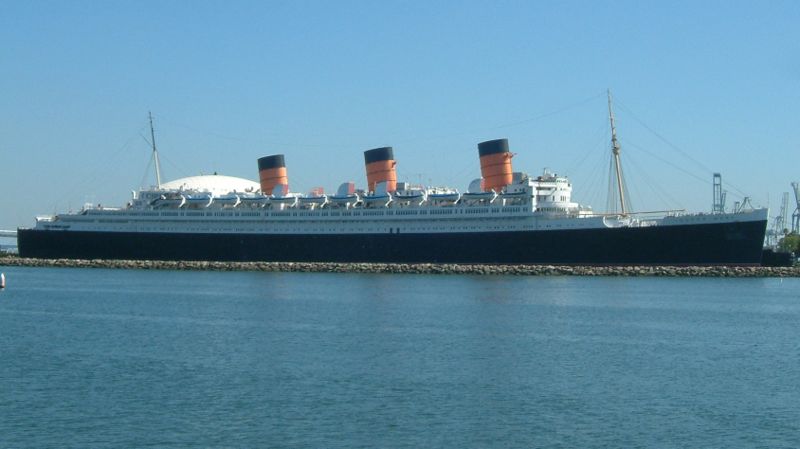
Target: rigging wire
668, 201
551, 113
94, 176
704, 181
675, 147
613, 198
628, 206
509, 124
611, 192
635, 191
172, 164
257, 143
576, 164
146, 173
630, 144
664, 139
592, 187
175, 166
591, 190
468, 167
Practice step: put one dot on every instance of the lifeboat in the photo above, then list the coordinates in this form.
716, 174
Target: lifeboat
316, 200
380, 199
519, 194
348, 200
380, 196
513, 195
479, 196
199, 200
443, 197
345, 195
229, 200
254, 200
283, 200
410, 196
169, 201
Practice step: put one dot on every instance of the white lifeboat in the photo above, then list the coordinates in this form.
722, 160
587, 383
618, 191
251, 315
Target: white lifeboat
382, 199
479, 196
199, 200
410, 196
348, 199
283, 200
513, 197
316, 200
169, 201
230, 200
345, 195
254, 200
443, 196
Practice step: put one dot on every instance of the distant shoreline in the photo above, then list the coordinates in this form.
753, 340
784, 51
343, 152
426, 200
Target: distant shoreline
421, 268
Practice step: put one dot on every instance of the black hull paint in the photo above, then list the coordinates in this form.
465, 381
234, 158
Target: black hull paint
737, 243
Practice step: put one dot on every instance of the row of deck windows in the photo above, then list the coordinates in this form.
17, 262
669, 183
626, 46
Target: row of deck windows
321, 214
294, 212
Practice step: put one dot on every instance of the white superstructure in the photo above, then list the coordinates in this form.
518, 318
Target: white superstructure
223, 204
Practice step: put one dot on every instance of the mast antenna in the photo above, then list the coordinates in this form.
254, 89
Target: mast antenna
615, 149
155, 151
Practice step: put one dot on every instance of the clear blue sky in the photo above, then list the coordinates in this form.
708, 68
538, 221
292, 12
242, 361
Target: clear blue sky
228, 82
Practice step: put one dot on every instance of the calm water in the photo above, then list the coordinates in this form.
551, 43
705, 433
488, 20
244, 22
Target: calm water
111, 358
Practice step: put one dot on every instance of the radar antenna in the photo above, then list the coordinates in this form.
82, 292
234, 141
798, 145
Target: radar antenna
155, 151
615, 149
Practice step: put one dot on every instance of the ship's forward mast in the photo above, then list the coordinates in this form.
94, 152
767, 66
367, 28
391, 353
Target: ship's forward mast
617, 166
155, 151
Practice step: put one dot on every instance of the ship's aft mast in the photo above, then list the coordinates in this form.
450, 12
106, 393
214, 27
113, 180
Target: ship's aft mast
155, 151
615, 151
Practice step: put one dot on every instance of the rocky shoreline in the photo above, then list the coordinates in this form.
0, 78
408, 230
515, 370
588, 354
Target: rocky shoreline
421, 268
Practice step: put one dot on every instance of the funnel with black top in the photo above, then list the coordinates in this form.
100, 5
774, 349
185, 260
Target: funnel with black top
272, 172
495, 164
380, 166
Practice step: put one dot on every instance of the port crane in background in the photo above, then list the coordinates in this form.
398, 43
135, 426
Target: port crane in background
718, 206
796, 214
779, 224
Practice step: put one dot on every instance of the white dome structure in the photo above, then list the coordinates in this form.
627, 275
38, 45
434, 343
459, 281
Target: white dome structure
215, 184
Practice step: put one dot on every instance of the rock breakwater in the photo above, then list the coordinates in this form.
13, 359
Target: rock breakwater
420, 268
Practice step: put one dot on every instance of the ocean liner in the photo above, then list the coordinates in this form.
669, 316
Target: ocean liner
504, 217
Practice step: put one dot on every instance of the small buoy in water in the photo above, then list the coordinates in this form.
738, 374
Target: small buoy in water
2, 280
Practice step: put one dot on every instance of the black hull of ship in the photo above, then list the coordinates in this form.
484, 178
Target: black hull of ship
736, 243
